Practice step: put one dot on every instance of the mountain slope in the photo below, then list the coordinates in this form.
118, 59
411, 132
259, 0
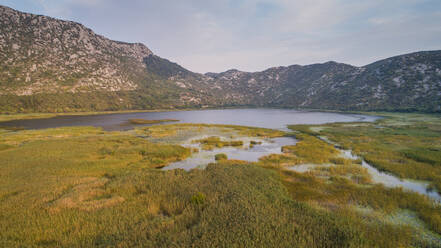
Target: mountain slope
50, 65
410, 82
407, 82
58, 56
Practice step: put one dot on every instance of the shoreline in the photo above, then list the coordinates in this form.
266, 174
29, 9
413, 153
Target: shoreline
29, 116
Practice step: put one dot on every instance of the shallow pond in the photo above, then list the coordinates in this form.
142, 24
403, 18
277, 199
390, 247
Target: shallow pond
202, 158
267, 118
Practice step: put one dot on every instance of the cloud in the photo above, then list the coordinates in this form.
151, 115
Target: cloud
253, 35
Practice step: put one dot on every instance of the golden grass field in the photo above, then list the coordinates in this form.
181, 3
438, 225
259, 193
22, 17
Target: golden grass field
83, 187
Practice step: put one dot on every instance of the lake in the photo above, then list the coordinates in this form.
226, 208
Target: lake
267, 118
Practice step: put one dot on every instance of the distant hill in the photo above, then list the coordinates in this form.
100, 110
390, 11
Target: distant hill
410, 82
50, 65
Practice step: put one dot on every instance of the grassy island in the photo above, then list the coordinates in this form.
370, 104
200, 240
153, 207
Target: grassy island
144, 121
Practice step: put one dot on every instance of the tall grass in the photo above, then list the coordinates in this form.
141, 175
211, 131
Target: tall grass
173, 129
406, 145
215, 141
308, 187
83, 187
225, 205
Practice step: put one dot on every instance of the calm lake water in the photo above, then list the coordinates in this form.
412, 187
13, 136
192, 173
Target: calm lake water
268, 118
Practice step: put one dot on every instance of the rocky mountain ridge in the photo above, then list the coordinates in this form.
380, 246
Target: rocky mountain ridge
45, 55
51, 65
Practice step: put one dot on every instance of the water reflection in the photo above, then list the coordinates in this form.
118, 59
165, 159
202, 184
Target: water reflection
202, 158
267, 118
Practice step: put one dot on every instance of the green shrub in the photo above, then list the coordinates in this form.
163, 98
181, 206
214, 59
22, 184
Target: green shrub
221, 156
198, 198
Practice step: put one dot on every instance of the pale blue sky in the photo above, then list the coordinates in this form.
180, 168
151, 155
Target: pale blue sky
252, 35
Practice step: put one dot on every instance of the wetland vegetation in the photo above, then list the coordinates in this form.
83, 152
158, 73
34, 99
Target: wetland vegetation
406, 145
82, 186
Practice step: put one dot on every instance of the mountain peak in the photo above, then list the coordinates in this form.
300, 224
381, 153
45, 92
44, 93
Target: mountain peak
53, 65
51, 55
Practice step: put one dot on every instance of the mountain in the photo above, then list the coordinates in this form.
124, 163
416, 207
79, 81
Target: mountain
410, 82
51, 65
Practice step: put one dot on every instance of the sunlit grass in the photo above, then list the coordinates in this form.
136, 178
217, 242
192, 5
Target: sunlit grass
215, 142
174, 129
407, 145
83, 187
338, 190
309, 149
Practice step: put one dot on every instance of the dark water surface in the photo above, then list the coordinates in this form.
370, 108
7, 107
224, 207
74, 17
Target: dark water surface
267, 118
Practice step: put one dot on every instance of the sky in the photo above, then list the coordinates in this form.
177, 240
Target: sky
253, 35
